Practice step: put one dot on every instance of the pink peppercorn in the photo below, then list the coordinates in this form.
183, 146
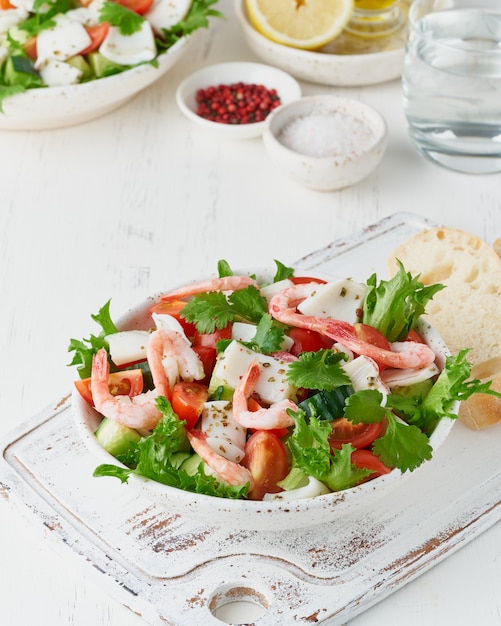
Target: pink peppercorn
238, 103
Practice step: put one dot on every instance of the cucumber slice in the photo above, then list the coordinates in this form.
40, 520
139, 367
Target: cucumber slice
327, 405
191, 464
116, 438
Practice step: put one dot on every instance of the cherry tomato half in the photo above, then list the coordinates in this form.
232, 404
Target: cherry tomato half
138, 6
210, 339
188, 401
308, 341
174, 308
127, 383
208, 357
300, 280
365, 459
372, 335
97, 33
30, 47
359, 435
266, 459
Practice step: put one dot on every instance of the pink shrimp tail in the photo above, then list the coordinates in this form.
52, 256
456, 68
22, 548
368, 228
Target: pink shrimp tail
227, 283
230, 472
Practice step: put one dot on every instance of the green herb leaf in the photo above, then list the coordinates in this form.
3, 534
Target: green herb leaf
197, 17
393, 307
154, 460
249, 304
86, 348
269, 336
208, 311
283, 272
224, 269
311, 453
128, 22
320, 370
403, 446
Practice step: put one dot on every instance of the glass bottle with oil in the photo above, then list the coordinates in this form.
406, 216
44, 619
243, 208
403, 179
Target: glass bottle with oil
376, 18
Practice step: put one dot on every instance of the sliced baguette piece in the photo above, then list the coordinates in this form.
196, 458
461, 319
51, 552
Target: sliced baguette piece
467, 313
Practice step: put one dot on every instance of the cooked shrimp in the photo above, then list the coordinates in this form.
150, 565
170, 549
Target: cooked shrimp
230, 472
227, 283
139, 412
283, 308
165, 343
275, 416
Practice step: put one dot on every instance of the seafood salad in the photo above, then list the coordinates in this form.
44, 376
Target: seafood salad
284, 389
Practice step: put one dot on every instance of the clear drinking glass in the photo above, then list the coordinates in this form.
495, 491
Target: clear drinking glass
452, 83
376, 18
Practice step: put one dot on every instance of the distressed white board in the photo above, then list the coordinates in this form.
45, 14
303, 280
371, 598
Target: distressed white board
174, 571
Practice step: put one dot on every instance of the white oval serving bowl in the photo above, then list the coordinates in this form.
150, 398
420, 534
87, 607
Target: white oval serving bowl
326, 173
323, 67
57, 107
288, 90
249, 514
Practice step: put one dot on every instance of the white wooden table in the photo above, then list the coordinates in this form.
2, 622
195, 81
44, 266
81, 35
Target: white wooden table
141, 199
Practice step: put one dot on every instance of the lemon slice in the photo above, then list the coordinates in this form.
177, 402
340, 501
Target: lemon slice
306, 24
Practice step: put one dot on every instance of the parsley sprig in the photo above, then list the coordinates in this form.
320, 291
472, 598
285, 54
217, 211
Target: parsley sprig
320, 370
128, 22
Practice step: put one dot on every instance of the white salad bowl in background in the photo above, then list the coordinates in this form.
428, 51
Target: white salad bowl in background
337, 169
321, 66
57, 107
288, 90
250, 514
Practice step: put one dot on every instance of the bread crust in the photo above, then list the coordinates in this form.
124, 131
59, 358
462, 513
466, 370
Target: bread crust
467, 313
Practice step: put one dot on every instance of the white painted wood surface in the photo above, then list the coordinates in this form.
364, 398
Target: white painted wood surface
139, 200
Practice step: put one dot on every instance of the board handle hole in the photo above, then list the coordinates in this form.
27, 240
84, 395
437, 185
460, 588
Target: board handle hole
238, 605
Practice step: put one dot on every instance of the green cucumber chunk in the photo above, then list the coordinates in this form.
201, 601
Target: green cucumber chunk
101, 66
116, 438
191, 464
327, 405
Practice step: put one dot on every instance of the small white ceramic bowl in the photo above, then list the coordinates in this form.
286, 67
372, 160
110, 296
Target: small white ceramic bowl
57, 107
325, 142
250, 514
362, 67
229, 73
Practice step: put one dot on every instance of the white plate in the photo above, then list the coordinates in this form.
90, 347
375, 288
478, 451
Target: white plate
362, 61
287, 88
57, 107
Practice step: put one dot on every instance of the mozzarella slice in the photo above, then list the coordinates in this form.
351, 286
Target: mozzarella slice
224, 435
166, 13
128, 346
271, 290
339, 300
62, 41
58, 73
88, 16
129, 49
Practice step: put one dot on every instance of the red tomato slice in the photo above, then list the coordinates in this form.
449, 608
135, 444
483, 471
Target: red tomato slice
138, 6
413, 336
300, 280
359, 435
174, 308
5, 4
210, 339
266, 459
30, 46
126, 383
188, 401
308, 341
372, 335
366, 459
97, 34
208, 357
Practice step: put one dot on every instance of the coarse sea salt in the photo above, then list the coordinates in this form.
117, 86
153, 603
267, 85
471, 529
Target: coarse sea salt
327, 135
